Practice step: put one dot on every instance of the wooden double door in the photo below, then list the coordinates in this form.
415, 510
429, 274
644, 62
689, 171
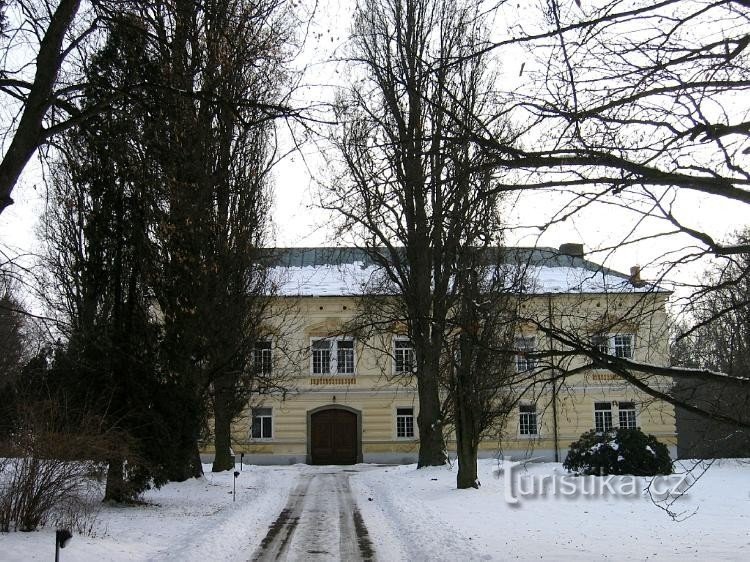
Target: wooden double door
333, 437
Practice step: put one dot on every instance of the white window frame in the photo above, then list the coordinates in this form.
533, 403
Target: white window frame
608, 343
536, 417
333, 362
413, 418
410, 351
262, 351
264, 416
621, 410
603, 411
523, 363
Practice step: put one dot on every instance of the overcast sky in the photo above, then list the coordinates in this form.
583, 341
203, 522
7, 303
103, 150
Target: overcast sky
297, 179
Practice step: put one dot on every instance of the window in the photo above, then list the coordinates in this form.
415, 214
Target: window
321, 356
600, 343
623, 345
619, 345
525, 345
345, 356
262, 358
602, 416
627, 415
331, 356
405, 423
527, 423
262, 424
403, 356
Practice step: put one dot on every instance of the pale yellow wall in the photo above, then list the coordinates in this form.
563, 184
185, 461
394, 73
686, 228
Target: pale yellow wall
376, 393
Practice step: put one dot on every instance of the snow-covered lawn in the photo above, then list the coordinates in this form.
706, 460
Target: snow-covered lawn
443, 523
418, 515
193, 520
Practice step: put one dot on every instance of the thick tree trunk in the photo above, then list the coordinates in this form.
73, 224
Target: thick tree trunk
431, 441
466, 445
115, 488
223, 459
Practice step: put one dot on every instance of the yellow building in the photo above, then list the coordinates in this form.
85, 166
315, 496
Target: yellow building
347, 400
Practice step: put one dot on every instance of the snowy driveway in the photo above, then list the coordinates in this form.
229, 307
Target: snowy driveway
320, 521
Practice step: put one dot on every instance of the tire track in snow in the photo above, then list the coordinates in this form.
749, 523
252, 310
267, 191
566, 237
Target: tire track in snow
319, 522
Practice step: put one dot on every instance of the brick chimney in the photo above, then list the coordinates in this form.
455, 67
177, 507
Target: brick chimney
635, 276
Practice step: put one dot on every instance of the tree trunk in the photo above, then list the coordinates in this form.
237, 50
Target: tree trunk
115, 487
466, 445
431, 441
196, 464
29, 133
223, 459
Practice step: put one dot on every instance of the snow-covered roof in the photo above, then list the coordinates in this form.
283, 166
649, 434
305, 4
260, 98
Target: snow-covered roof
352, 271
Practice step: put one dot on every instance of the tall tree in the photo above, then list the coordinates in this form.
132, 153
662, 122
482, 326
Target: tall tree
221, 73
636, 109
101, 255
406, 122
481, 377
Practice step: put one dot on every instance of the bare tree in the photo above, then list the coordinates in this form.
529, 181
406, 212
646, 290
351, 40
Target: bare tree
41, 38
481, 377
634, 109
407, 191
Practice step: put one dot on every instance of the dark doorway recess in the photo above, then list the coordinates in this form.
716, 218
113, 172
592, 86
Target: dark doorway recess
333, 437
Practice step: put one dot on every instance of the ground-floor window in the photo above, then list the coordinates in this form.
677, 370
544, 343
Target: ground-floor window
602, 416
405, 422
262, 427
627, 415
527, 422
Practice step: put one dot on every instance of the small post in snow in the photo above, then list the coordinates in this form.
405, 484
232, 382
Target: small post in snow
242, 460
62, 537
234, 485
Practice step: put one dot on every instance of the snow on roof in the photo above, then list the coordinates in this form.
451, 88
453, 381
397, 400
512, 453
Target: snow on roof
350, 271
323, 280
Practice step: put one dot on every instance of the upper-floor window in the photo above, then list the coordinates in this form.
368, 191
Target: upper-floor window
619, 345
332, 356
525, 345
263, 357
403, 356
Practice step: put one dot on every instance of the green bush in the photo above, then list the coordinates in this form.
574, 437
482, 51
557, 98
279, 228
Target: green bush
621, 451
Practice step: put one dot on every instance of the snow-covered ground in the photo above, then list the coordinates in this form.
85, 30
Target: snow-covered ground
419, 515
443, 523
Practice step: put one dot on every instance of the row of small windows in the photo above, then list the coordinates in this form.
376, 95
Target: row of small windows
618, 345
336, 355
603, 415
333, 356
262, 423
528, 421
528, 425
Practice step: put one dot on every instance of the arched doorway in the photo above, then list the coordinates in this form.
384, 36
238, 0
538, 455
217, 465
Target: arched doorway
334, 436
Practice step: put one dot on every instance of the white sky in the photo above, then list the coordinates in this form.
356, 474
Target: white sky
299, 223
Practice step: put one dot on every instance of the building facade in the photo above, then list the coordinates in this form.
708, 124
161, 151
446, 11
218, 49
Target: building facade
350, 400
